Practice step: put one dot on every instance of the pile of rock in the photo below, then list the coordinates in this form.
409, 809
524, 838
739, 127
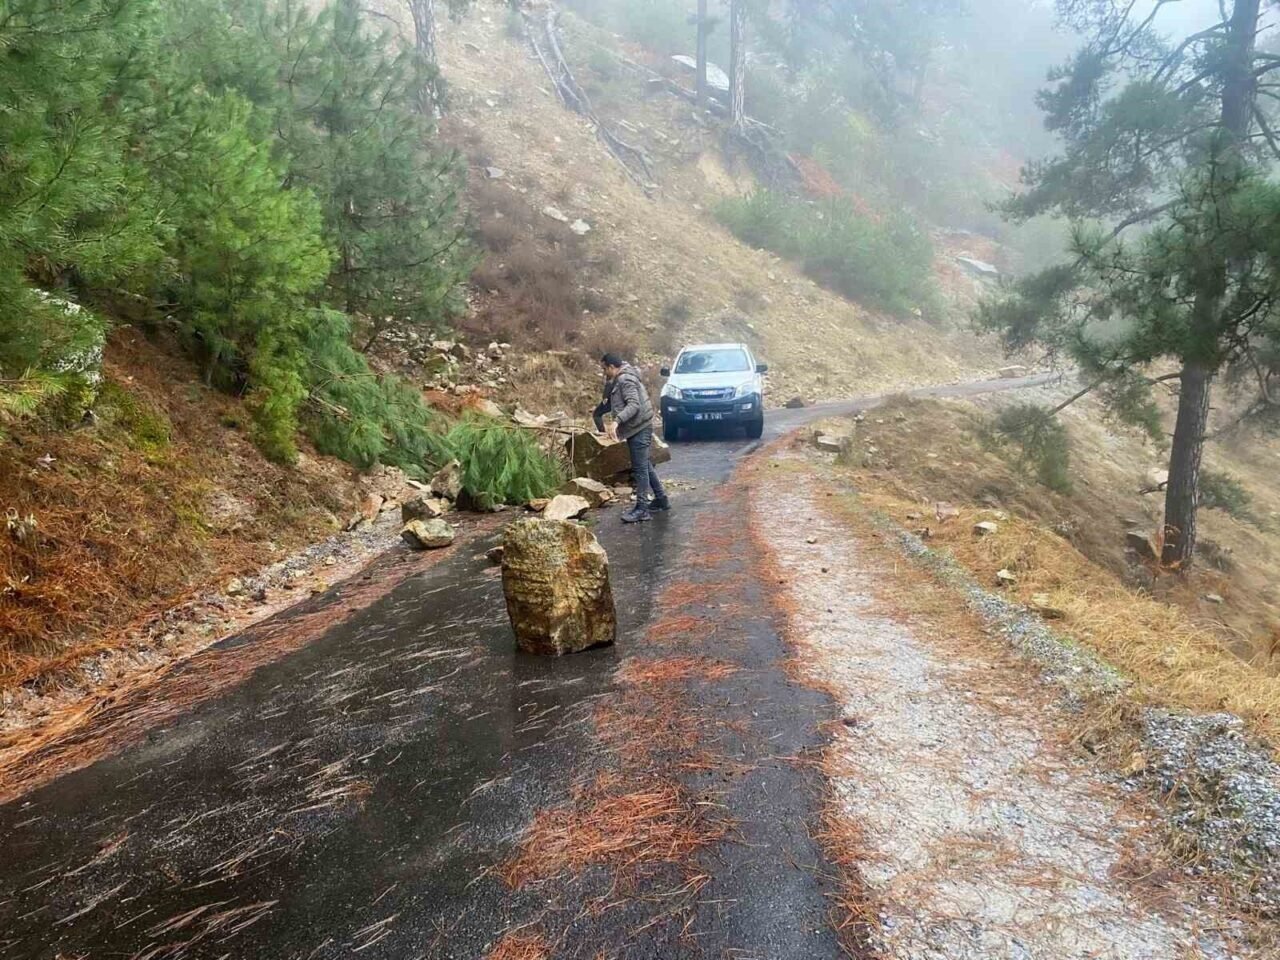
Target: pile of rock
423, 514
454, 367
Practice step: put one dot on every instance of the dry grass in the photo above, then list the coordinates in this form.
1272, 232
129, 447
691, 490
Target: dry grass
521, 945
673, 670
1177, 656
128, 523
625, 825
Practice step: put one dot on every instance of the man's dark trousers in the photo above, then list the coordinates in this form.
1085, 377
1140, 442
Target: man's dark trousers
643, 476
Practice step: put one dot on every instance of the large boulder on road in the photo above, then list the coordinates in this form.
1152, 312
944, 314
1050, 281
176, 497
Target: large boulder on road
565, 507
555, 576
593, 491
596, 457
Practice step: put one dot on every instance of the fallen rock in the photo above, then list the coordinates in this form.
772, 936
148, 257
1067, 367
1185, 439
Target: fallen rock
593, 491
580, 227
596, 456
827, 444
1042, 604
495, 554
1140, 544
488, 408
796, 403
447, 482
234, 588
371, 506
1006, 578
494, 173
1214, 598
427, 534
538, 504
1013, 372
565, 507
945, 511
424, 508
388, 482
555, 577
986, 528
555, 213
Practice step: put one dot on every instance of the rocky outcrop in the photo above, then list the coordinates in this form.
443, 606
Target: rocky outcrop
555, 576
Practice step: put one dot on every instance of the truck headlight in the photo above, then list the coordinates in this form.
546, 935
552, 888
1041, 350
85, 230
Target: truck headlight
671, 391
745, 390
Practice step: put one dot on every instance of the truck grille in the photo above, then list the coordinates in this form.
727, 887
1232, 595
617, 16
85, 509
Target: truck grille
718, 393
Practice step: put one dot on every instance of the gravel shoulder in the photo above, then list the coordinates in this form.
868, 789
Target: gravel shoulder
981, 831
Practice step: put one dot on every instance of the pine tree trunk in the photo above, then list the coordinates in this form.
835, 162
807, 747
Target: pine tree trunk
1183, 493
737, 63
424, 38
1239, 94
701, 89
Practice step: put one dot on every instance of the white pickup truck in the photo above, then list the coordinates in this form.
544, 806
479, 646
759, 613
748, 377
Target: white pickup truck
713, 383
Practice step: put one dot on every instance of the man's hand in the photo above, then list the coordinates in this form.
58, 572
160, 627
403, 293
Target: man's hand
611, 430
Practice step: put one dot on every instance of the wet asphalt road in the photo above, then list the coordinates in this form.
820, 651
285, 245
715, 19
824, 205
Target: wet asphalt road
349, 799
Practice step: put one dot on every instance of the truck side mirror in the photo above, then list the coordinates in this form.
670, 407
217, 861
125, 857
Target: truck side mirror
762, 368
665, 372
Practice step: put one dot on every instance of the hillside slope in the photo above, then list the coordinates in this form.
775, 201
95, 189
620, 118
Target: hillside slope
673, 274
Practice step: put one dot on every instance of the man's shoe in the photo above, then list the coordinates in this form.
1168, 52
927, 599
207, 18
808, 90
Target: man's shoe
659, 503
636, 514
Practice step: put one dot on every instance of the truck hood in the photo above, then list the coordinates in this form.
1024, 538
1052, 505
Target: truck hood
709, 381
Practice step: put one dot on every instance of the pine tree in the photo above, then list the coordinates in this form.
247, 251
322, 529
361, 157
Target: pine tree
1169, 140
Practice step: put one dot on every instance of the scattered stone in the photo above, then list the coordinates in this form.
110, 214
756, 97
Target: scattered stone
488, 408
1140, 544
423, 508
811, 540
1042, 604
985, 528
1014, 372
261, 595
447, 482
427, 534
580, 227
1214, 598
495, 554
796, 403
494, 173
555, 213
1006, 578
945, 511
538, 504
555, 576
565, 507
593, 491
234, 588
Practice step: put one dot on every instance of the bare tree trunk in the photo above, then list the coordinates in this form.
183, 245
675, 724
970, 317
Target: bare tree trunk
1239, 94
737, 63
424, 39
1182, 495
701, 86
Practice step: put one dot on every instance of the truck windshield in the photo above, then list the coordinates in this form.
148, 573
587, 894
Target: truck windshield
713, 361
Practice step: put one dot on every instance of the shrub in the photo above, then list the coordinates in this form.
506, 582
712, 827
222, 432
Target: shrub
886, 263
1221, 491
1044, 447
501, 463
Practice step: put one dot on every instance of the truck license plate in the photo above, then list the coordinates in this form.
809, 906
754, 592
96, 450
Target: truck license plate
708, 416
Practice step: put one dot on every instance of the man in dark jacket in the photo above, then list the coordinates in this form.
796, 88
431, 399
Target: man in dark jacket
633, 416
